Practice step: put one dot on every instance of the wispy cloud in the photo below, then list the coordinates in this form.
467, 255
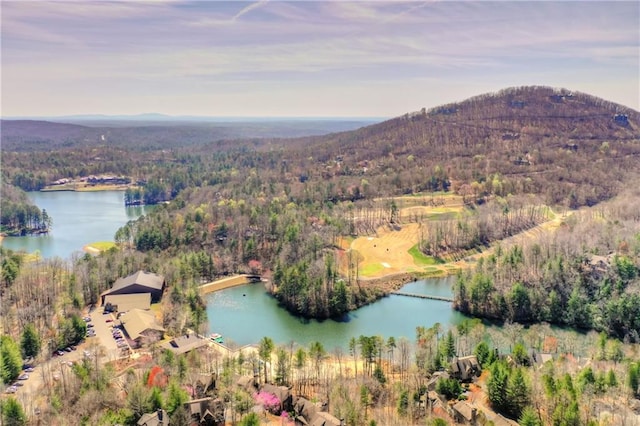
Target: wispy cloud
276, 48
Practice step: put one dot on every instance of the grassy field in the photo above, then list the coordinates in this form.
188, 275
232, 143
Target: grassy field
99, 246
421, 259
395, 250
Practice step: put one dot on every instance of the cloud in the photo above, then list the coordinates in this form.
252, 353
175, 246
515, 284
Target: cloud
148, 49
248, 9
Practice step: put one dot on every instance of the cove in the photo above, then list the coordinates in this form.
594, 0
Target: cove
79, 218
246, 314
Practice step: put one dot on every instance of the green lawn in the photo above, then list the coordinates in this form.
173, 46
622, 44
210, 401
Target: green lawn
421, 259
102, 245
371, 269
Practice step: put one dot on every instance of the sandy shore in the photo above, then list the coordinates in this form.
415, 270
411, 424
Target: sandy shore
223, 283
90, 249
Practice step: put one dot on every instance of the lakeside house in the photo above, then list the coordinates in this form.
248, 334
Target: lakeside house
142, 327
125, 302
185, 343
139, 282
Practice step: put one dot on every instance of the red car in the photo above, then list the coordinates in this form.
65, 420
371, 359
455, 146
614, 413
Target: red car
109, 320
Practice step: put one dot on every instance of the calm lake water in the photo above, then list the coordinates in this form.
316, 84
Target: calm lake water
79, 218
246, 314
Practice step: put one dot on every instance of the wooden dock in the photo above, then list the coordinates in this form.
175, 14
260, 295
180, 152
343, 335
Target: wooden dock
423, 296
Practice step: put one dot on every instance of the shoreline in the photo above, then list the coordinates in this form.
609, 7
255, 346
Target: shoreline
224, 283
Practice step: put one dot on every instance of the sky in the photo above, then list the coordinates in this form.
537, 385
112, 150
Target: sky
306, 58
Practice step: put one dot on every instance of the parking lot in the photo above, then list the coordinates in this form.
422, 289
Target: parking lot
100, 342
104, 334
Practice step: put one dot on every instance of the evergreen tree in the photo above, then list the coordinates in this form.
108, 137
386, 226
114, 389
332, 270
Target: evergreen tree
30, 342
482, 354
518, 393
264, 351
529, 417
10, 359
633, 378
497, 386
12, 413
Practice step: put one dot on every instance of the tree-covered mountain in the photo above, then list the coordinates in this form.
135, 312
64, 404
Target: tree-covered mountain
280, 205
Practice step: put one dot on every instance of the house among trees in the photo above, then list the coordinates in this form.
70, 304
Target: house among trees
308, 413
465, 368
158, 418
206, 411
142, 327
185, 343
283, 394
464, 413
140, 282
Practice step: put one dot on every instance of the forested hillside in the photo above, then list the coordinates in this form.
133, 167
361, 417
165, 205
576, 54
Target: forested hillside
18, 215
280, 205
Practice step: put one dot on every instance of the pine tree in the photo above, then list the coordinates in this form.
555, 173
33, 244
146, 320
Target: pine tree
30, 342
517, 393
529, 417
12, 413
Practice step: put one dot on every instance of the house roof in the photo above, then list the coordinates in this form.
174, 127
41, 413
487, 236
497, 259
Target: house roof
282, 392
322, 418
158, 418
142, 278
137, 321
199, 406
185, 343
126, 302
464, 409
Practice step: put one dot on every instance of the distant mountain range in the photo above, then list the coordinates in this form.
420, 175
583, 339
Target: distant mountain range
159, 131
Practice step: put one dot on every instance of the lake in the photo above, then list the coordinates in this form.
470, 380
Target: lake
244, 315
79, 218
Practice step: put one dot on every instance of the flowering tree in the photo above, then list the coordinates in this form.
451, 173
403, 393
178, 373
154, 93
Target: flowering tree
267, 400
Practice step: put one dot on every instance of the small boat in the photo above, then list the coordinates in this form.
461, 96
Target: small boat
216, 337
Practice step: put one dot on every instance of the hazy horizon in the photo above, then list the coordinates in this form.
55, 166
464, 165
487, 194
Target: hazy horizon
313, 59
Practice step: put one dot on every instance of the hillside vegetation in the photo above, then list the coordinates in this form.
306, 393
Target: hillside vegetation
282, 206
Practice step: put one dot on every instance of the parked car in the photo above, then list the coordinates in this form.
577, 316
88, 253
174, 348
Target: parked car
67, 349
109, 320
23, 376
11, 389
18, 384
90, 325
73, 347
29, 370
87, 319
58, 353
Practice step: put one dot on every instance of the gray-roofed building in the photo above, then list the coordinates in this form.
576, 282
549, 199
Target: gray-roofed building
185, 343
158, 418
126, 302
140, 282
308, 413
322, 418
464, 413
206, 411
142, 327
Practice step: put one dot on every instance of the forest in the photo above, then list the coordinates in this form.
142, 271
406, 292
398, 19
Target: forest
280, 208
19, 216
